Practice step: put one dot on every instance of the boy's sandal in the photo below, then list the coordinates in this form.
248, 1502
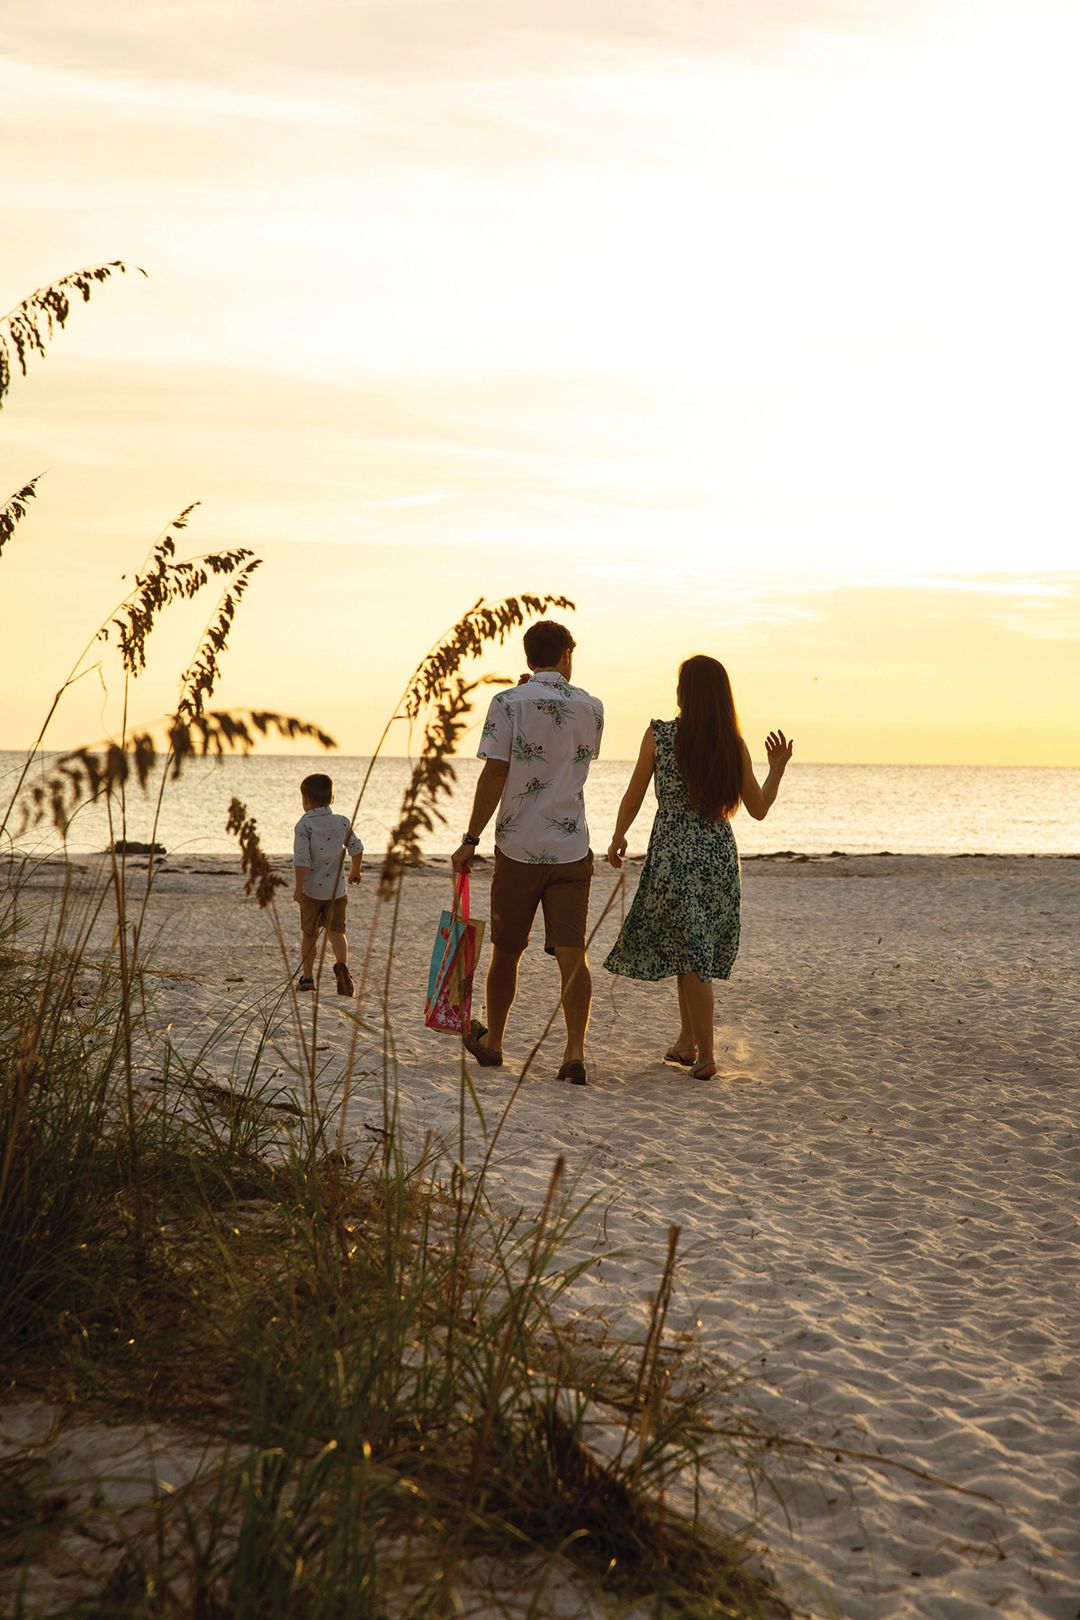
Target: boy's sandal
673, 1055
305, 984
703, 1071
345, 986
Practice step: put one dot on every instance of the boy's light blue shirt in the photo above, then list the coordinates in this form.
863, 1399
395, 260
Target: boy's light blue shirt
318, 839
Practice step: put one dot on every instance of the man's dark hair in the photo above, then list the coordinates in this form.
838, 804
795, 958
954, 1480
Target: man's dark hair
318, 788
545, 643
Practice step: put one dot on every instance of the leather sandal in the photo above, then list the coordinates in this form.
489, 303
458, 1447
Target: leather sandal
575, 1072
472, 1040
703, 1071
686, 1059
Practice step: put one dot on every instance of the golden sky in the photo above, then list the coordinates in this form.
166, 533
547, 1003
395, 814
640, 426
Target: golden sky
752, 328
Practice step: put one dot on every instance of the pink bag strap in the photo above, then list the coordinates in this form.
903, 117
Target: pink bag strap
461, 897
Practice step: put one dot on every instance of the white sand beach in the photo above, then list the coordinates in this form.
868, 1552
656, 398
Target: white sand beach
878, 1194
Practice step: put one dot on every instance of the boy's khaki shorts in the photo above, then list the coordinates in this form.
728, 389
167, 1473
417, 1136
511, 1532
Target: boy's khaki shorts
518, 887
316, 914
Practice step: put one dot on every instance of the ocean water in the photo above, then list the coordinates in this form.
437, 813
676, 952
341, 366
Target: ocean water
857, 809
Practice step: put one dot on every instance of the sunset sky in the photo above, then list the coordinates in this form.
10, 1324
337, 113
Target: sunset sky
751, 327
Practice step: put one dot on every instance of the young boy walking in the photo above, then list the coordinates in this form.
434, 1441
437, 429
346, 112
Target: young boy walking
320, 839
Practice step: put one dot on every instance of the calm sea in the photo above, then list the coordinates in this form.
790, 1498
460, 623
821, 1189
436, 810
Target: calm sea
860, 809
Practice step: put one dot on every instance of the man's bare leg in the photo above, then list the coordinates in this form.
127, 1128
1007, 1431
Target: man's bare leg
499, 994
576, 999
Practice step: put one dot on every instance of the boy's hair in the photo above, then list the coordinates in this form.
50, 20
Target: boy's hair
318, 788
545, 644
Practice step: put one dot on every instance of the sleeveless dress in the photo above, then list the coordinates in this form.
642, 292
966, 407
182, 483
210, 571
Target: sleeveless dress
684, 917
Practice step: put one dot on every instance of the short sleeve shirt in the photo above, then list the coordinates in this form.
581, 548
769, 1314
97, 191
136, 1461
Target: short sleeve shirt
549, 732
319, 838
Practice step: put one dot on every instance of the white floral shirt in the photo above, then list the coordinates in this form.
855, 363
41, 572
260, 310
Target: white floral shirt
550, 733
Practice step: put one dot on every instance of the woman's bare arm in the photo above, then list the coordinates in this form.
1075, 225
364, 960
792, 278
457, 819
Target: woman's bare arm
758, 797
633, 798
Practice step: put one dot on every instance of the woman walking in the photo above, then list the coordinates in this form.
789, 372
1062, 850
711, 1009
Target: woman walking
684, 919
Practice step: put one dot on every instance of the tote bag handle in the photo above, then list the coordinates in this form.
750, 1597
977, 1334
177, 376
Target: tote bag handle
460, 909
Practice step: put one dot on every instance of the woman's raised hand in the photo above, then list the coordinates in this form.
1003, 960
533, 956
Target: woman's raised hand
616, 852
778, 750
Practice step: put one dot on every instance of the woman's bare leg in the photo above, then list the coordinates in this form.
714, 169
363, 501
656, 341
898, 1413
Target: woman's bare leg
684, 1041
699, 1009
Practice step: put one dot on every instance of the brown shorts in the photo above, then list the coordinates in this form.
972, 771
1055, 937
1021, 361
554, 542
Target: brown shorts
316, 914
518, 887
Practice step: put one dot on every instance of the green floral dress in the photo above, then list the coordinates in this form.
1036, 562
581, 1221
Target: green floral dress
685, 915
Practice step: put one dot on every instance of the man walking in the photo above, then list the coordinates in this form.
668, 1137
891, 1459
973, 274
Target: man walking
538, 742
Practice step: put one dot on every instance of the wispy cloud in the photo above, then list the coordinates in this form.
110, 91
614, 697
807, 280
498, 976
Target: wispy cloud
418, 40
398, 503
1035, 590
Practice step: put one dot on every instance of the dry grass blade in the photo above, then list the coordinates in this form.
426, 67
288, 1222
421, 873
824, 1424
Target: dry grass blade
15, 510
261, 879
199, 680
484, 622
432, 779
237, 731
27, 328
647, 1389
167, 580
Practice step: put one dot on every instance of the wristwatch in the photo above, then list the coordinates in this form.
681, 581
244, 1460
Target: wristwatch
467, 838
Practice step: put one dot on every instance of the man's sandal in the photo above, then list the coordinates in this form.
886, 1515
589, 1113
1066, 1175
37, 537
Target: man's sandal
472, 1040
575, 1072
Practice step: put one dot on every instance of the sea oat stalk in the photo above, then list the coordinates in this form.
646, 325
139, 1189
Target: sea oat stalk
27, 328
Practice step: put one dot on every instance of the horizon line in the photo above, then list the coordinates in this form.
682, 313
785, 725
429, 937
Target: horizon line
406, 759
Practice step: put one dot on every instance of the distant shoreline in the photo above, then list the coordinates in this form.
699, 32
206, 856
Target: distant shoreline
220, 863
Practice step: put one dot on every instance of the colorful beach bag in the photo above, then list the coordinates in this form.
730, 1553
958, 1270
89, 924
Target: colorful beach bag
453, 962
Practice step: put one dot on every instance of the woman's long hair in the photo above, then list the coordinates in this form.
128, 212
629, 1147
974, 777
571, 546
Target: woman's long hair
708, 742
